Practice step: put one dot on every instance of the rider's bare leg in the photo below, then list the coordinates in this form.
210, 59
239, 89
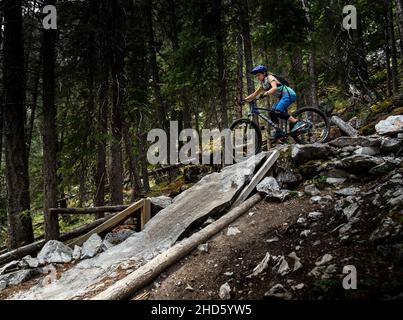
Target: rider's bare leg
292, 120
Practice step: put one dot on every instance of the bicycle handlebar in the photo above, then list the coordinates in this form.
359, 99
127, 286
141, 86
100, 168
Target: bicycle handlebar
257, 99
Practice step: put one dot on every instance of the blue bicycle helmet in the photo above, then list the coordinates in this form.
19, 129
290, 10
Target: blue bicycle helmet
259, 69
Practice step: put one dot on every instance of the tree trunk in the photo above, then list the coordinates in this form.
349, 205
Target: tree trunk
387, 59
399, 11
35, 94
152, 56
131, 160
19, 218
239, 75
118, 15
222, 82
392, 45
143, 153
100, 174
244, 17
49, 130
313, 91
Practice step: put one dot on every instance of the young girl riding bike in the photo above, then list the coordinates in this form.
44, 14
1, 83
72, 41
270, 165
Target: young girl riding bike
270, 85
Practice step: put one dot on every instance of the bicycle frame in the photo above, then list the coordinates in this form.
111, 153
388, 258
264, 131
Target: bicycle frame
254, 110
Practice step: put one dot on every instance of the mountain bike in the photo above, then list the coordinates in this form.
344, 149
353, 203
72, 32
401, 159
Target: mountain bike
316, 130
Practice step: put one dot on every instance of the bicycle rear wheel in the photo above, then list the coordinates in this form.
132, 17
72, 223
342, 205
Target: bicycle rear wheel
317, 126
250, 135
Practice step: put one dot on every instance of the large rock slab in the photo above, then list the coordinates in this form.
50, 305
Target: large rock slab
213, 193
308, 152
391, 126
356, 141
359, 164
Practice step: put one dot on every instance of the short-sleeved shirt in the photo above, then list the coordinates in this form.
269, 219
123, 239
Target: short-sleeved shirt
266, 85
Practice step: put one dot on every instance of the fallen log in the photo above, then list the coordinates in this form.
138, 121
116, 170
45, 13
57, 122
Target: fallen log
344, 126
127, 287
90, 210
33, 248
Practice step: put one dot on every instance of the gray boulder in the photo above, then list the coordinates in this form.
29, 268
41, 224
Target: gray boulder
76, 252
118, 237
9, 266
269, 184
390, 145
371, 141
391, 126
304, 153
370, 151
55, 252
311, 190
31, 262
351, 191
91, 247
17, 277
359, 164
159, 203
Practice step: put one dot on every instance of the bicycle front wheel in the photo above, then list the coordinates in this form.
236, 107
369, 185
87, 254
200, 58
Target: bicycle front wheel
246, 135
316, 129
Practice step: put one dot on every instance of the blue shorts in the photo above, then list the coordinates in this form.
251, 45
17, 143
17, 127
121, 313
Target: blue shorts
285, 102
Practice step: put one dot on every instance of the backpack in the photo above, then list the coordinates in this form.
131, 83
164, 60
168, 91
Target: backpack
282, 80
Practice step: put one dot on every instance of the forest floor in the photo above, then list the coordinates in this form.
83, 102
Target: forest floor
230, 259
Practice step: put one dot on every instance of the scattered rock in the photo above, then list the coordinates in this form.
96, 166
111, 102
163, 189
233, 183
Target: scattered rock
31, 262
275, 239
391, 126
262, 266
323, 201
225, 292
311, 190
325, 259
315, 215
268, 185
305, 233
298, 287
278, 291
317, 271
55, 252
281, 267
297, 261
350, 210
301, 221
352, 191
203, 248
278, 196
233, 231
91, 247
189, 288
76, 252
335, 181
